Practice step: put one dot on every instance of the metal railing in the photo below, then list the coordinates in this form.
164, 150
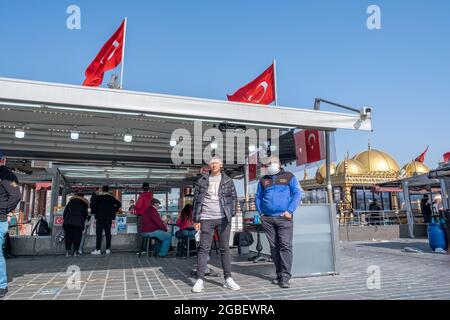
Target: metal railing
376, 218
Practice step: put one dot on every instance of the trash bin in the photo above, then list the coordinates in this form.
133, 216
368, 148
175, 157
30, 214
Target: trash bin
437, 236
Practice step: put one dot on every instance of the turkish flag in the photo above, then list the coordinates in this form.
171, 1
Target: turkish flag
421, 158
109, 57
309, 146
260, 91
447, 157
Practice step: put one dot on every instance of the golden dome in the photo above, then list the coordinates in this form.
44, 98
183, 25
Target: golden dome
353, 167
376, 161
414, 167
322, 170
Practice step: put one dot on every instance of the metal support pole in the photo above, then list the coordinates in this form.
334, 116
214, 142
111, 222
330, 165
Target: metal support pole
64, 196
54, 197
409, 213
332, 207
275, 80
123, 53
444, 193
328, 167
246, 179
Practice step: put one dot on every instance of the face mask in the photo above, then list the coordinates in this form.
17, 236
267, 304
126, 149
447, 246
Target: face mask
274, 168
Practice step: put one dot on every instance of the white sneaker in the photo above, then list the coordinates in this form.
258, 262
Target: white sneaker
108, 251
96, 252
230, 284
198, 286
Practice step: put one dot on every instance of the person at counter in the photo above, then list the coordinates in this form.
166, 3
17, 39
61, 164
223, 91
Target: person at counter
145, 199
105, 207
277, 197
75, 215
132, 208
152, 226
9, 198
425, 207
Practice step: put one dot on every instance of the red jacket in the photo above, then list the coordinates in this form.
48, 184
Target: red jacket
144, 201
151, 221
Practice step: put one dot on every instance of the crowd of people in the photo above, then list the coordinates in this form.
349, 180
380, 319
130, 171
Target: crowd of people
214, 205
210, 215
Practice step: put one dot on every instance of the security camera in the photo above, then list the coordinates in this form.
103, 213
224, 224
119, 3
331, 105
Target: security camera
365, 112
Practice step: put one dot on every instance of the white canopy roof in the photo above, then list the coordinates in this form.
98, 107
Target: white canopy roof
49, 111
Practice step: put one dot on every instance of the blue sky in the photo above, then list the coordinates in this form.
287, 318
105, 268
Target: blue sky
210, 48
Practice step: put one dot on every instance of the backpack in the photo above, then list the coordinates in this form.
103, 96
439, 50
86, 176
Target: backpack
243, 239
42, 228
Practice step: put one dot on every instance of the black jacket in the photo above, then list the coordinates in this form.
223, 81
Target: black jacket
105, 207
76, 212
9, 192
227, 196
93, 197
425, 207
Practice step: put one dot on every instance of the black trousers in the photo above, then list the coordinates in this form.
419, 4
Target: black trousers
72, 237
279, 232
100, 226
223, 228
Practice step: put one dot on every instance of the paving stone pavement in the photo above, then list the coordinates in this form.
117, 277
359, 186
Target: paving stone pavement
121, 276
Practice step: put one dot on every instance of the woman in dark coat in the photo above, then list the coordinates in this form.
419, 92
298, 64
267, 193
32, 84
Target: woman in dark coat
75, 215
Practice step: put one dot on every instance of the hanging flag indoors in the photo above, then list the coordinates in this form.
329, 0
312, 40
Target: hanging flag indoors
109, 57
421, 158
260, 91
309, 146
252, 166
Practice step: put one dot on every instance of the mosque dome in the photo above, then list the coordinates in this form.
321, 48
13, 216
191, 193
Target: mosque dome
373, 161
353, 167
414, 168
323, 170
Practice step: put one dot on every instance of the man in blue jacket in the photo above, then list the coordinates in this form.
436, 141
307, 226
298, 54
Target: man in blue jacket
277, 198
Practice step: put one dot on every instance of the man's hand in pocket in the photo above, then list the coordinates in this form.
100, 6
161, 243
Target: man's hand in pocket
287, 215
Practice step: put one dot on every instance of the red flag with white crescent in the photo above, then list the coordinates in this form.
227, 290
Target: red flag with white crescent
421, 158
109, 57
309, 146
259, 91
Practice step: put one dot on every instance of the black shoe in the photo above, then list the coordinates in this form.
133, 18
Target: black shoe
3, 292
285, 285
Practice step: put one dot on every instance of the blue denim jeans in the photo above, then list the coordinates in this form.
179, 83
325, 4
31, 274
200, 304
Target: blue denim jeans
185, 233
3, 278
164, 237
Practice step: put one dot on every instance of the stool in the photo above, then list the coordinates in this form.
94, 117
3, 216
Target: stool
149, 243
188, 246
184, 245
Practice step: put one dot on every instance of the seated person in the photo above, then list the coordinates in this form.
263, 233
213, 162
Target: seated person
185, 223
151, 225
186, 229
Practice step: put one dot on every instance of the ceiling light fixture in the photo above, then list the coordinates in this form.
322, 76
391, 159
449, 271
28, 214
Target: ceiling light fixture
20, 133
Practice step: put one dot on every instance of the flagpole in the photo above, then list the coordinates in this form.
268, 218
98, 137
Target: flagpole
123, 53
275, 80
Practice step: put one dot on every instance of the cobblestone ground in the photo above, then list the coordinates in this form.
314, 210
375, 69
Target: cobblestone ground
124, 276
